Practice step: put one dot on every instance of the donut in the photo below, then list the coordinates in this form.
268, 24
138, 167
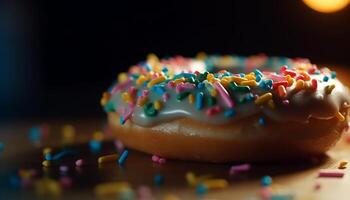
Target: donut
224, 108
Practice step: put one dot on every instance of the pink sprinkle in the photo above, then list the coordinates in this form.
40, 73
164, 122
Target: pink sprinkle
184, 86
224, 94
265, 193
170, 84
162, 161
144, 193
330, 174
155, 158
212, 111
119, 145
63, 168
145, 92
79, 163
66, 182
285, 102
239, 168
165, 97
317, 186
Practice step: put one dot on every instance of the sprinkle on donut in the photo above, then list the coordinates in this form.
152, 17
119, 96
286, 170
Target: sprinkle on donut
217, 88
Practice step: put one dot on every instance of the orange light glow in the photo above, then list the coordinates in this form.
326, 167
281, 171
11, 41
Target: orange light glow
327, 6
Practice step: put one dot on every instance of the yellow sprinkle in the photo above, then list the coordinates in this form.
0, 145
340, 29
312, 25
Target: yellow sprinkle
263, 98
98, 136
210, 77
329, 88
108, 158
122, 77
216, 183
126, 97
47, 150
171, 197
340, 116
250, 76
191, 179
271, 104
141, 80
68, 134
299, 85
191, 98
156, 81
111, 188
48, 188
179, 80
342, 164
289, 79
46, 163
201, 55
251, 83
224, 82
142, 101
237, 79
105, 98
157, 105
152, 59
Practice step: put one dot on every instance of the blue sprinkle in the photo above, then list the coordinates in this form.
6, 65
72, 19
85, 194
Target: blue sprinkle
165, 69
268, 84
15, 181
317, 72
325, 78
158, 89
199, 100
249, 97
158, 180
262, 121
95, 145
62, 154
48, 156
121, 120
201, 189
123, 157
333, 74
139, 93
1, 146
258, 72
200, 85
266, 181
262, 85
35, 134
241, 74
148, 67
257, 78
229, 113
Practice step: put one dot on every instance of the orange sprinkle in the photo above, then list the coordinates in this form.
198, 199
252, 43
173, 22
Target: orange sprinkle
282, 91
340, 116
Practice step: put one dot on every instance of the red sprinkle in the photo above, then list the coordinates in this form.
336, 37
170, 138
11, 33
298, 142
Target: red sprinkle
330, 173
276, 84
283, 68
290, 72
314, 84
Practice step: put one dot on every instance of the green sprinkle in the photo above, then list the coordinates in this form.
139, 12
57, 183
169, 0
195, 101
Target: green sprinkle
182, 95
210, 100
191, 80
202, 77
109, 107
238, 88
149, 110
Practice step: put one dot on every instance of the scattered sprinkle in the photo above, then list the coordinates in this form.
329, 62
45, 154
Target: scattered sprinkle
329, 173
108, 158
266, 181
158, 179
79, 162
123, 157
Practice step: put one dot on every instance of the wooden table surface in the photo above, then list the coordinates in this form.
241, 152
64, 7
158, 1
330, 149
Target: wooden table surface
298, 178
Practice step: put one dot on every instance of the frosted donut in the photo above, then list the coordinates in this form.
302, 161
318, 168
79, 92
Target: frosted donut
228, 108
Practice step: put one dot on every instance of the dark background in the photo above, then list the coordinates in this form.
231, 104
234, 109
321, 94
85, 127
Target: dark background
56, 58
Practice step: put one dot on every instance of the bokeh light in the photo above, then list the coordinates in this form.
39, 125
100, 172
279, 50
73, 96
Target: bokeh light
327, 6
